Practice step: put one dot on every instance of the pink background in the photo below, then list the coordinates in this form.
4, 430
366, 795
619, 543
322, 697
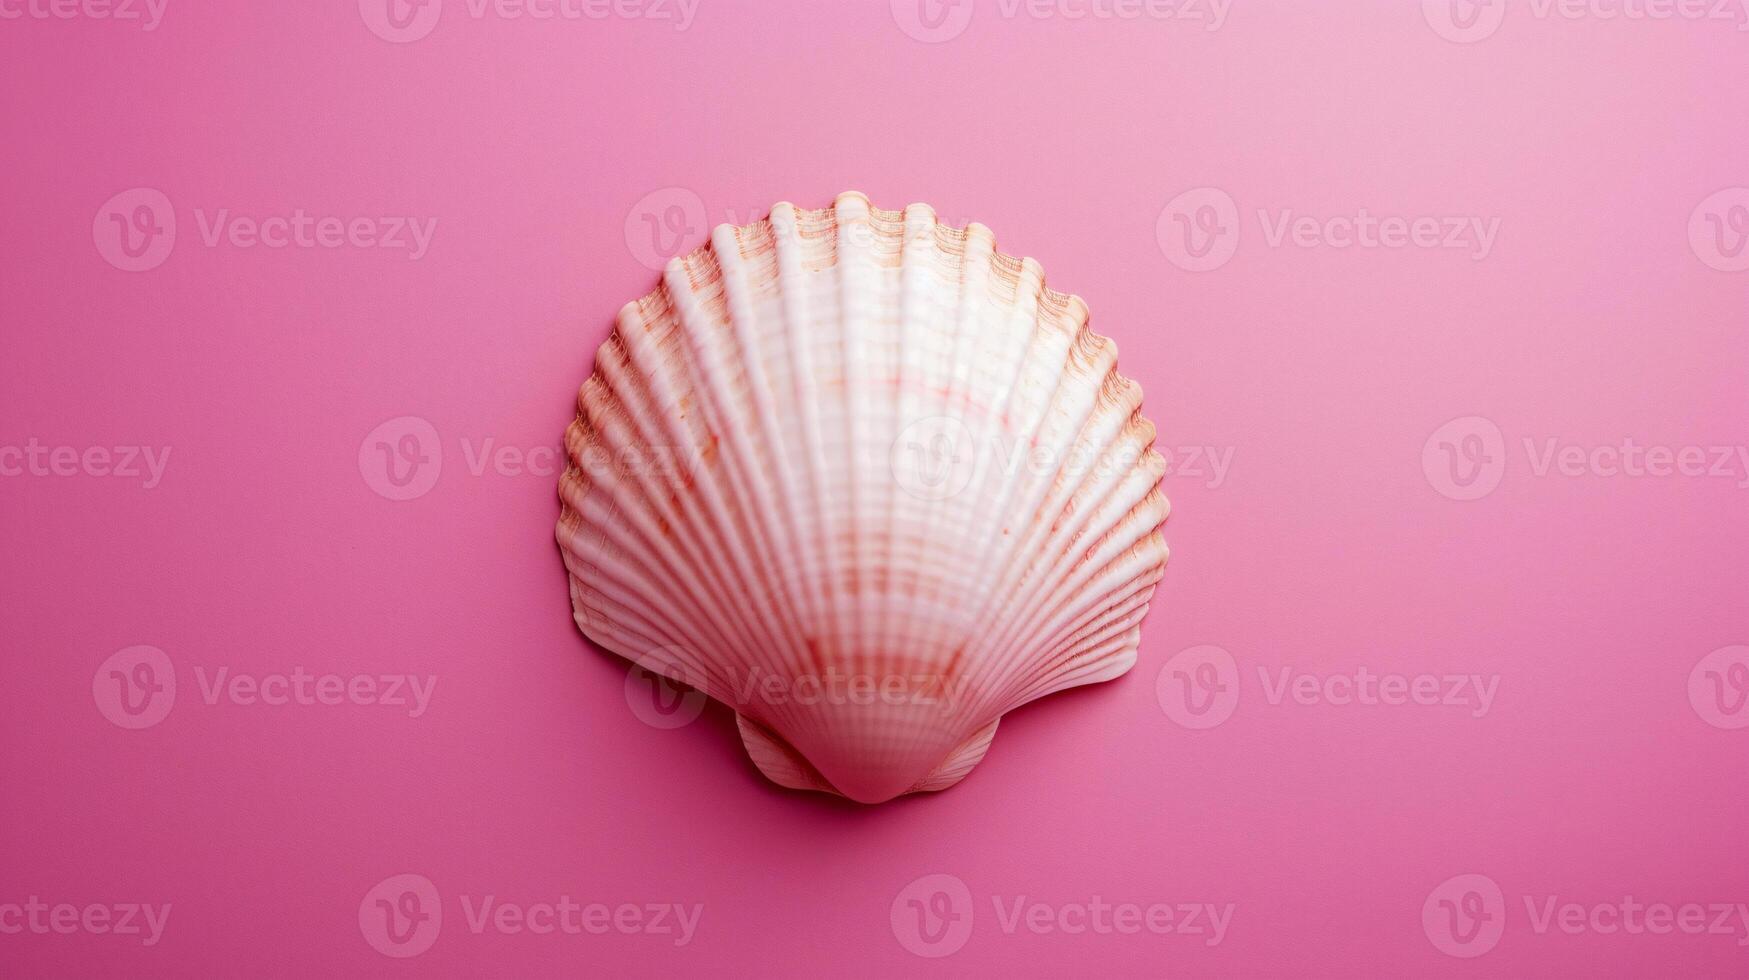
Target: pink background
536, 144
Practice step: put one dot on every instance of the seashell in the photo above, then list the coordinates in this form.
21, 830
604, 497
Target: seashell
867, 481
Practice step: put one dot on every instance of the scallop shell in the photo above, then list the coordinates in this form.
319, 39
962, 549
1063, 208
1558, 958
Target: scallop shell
867, 481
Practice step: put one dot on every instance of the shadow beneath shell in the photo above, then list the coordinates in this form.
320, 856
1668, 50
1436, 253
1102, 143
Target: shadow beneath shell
724, 739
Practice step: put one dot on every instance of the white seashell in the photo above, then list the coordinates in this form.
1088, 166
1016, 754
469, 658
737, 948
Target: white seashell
865, 480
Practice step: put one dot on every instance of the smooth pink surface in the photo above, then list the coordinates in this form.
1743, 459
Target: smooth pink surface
1331, 544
